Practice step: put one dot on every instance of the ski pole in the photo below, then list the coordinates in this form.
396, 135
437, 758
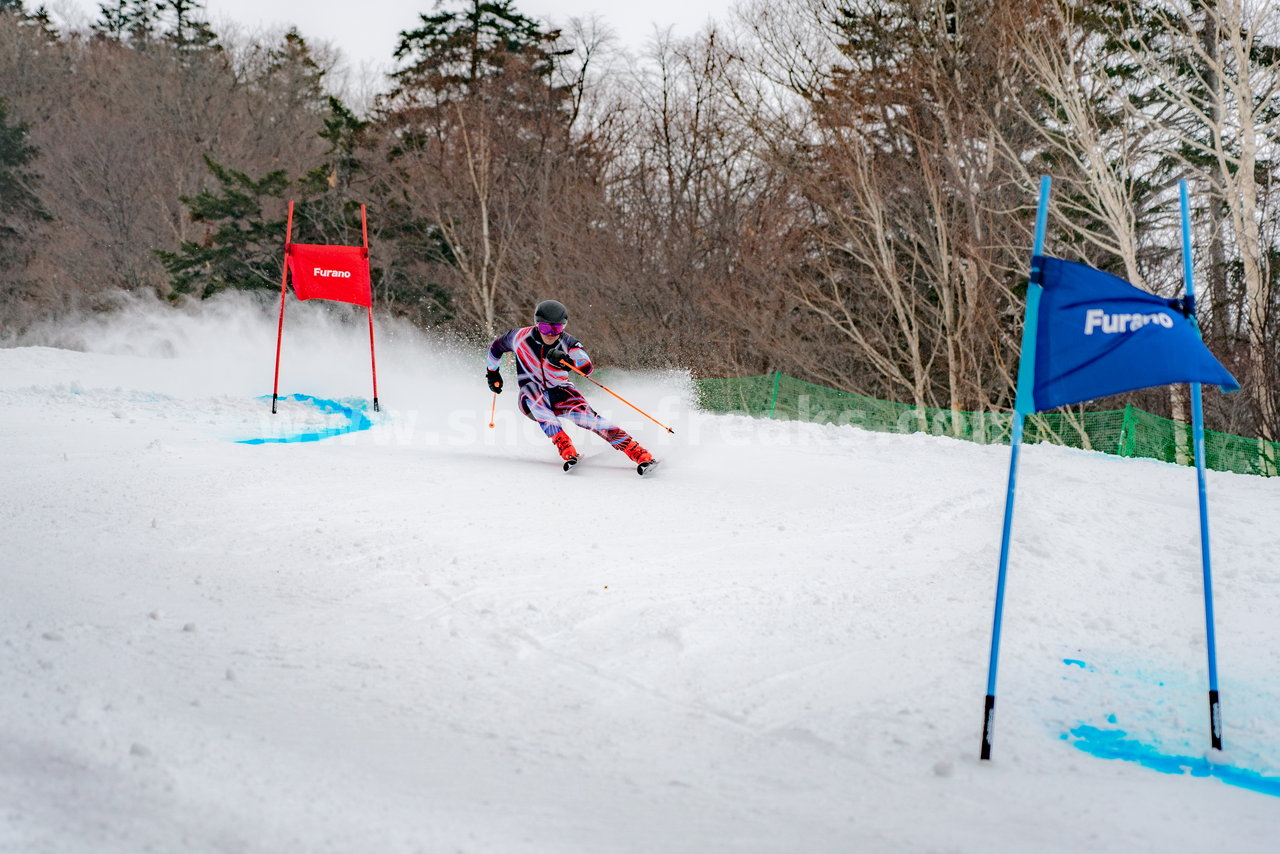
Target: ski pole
620, 397
493, 408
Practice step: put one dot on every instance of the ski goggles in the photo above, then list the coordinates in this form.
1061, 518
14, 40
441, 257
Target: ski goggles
550, 328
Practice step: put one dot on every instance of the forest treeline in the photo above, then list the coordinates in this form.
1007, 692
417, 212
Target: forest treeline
843, 191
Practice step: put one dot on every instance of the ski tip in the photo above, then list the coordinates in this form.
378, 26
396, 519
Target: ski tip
646, 468
570, 463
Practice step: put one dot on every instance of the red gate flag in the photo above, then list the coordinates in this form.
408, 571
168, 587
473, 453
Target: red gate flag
338, 273
321, 271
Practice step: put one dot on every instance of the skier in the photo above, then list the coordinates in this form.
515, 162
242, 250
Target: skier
543, 354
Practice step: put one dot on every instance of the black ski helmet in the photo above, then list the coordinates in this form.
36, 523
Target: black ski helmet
550, 311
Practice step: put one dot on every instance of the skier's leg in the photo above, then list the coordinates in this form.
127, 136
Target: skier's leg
570, 404
537, 407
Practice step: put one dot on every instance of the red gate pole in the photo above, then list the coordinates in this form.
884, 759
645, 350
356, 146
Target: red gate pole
364, 228
284, 280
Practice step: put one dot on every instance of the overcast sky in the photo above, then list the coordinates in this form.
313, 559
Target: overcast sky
366, 30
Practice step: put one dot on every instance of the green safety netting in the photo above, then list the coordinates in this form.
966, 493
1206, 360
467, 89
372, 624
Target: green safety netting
1128, 432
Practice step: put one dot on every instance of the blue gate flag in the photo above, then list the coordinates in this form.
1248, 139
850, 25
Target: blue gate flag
1097, 335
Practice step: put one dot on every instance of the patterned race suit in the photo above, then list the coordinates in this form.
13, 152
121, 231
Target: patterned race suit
546, 392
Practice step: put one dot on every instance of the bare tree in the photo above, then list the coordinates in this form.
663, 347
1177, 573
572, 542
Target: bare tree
124, 126
1234, 107
912, 212
699, 213
480, 154
1113, 174
1143, 94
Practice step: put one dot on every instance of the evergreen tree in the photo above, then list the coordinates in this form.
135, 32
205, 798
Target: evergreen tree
342, 130
244, 249
454, 50
142, 22
453, 53
134, 21
19, 205
39, 18
291, 66
478, 146
327, 208
187, 30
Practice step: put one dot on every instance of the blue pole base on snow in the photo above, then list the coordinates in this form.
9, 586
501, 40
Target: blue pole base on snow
1215, 711
989, 705
1215, 721
988, 725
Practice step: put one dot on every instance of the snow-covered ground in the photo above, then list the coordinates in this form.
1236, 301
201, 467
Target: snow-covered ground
424, 637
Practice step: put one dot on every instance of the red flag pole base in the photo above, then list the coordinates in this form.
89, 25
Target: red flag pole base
273, 404
375, 404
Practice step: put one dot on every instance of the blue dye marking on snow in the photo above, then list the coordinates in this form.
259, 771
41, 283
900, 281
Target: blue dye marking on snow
1077, 662
1112, 744
1111, 719
356, 421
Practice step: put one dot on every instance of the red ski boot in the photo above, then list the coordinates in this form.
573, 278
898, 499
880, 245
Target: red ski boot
568, 452
638, 455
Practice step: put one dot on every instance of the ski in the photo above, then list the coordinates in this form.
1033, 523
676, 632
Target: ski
642, 469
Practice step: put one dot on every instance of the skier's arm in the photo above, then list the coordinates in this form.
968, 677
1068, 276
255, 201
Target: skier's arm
502, 344
580, 359
575, 356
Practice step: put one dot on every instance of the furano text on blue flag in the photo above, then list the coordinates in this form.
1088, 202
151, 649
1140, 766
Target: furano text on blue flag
1111, 324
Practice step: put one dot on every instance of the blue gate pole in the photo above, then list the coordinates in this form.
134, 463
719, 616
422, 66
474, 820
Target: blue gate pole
1197, 429
1023, 404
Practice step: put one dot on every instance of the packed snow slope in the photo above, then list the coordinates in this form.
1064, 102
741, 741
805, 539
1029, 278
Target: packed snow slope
421, 636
